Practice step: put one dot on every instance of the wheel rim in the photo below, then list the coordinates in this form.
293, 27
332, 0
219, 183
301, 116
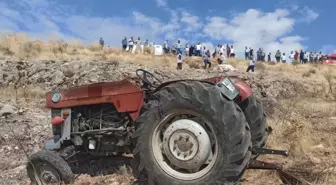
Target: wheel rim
182, 146
45, 174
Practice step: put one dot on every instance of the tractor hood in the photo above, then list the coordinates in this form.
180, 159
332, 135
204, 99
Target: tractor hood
90, 94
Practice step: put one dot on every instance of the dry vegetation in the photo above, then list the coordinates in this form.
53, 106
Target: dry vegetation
305, 123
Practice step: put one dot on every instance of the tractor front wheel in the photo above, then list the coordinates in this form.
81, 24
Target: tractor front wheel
48, 167
190, 134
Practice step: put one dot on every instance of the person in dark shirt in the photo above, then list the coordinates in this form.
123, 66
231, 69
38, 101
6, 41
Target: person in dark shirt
191, 50
302, 57
124, 44
101, 42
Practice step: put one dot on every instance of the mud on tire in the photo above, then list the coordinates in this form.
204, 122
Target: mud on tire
222, 119
256, 117
51, 162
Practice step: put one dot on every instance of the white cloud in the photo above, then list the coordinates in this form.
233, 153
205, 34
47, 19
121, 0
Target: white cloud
256, 29
303, 14
161, 3
42, 18
329, 49
192, 22
269, 30
307, 15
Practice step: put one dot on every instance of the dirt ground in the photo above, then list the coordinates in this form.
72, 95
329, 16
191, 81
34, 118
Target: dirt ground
300, 102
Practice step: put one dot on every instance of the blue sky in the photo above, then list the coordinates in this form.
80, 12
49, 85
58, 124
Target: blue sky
271, 24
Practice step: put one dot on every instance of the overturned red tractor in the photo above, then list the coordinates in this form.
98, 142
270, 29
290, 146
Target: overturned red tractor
179, 132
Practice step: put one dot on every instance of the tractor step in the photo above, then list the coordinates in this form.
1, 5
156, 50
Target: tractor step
265, 151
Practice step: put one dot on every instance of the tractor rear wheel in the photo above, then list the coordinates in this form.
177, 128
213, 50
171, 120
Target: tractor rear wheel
190, 134
256, 117
48, 167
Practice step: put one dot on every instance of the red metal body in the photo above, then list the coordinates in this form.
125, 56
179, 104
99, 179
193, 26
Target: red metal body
126, 96
244, 89
329, 59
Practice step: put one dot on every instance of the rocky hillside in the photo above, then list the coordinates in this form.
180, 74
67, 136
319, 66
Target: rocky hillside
25, 122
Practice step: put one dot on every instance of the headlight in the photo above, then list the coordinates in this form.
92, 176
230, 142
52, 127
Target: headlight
56, 97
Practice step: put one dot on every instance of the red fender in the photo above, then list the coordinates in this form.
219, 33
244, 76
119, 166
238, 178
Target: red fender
244, 89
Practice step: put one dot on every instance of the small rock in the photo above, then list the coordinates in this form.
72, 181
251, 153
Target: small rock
115, 183
58, 77
6, 110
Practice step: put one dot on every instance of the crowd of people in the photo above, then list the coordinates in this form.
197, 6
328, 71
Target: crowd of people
221, 52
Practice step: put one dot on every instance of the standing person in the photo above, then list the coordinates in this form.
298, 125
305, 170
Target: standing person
305, 57
101, 42
278, 56
251, 52
301, 56
269, 57
222, 49
206, 58
291, 57
138, 48
259, 54
296, 56
283, 58
179, 61
311, 57
320, 57
191, 50
232, 52
262, 55
247, 53
124, 44
186, 50
228, 50
165, 47
251, 64
179, 47
203, 50
198, 49
130, 45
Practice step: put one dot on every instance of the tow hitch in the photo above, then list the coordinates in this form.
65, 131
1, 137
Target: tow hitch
286, 177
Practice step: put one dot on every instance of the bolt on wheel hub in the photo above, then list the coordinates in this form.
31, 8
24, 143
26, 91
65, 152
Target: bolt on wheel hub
186, 144
183, 145
48, 175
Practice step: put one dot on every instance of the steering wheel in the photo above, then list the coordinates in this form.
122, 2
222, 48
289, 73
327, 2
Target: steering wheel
154, 82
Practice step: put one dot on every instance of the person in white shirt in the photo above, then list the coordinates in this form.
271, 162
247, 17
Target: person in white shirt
251, 64
283, 58
179, 61
130, 44
232, 52
305, 57
222, 49
198, 49
186, 50
291, 57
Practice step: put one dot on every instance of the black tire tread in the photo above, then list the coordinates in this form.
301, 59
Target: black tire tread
256, 117
54, 160
224, 113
